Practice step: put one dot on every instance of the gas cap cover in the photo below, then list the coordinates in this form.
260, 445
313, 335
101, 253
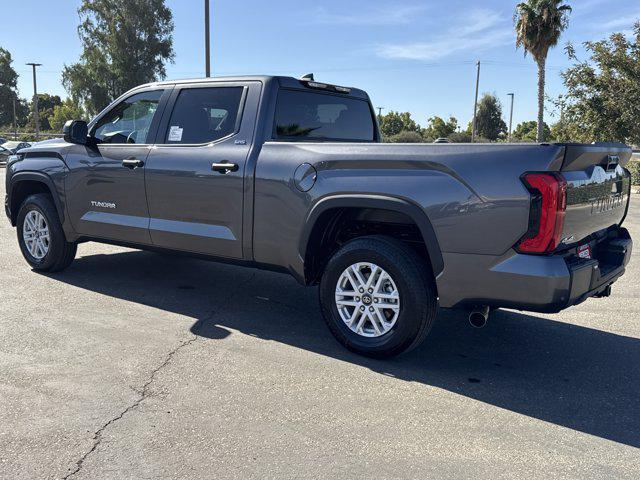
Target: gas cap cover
305, 177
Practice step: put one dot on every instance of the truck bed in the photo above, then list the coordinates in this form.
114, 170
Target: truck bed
472, 193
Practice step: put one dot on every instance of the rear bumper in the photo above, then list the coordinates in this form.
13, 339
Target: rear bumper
593, 277
533, 282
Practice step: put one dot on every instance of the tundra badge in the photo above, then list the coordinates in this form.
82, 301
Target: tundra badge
103, 204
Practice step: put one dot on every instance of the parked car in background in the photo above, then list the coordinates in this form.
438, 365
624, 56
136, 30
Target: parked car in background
15, 146
4, 155
2, 140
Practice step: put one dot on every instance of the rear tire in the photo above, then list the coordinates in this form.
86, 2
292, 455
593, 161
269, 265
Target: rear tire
40, 235
393, 312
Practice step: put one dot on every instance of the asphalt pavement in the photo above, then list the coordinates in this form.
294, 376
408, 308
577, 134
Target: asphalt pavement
136, 365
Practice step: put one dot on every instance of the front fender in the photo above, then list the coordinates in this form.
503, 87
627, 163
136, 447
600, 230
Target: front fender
36, 177
47, 171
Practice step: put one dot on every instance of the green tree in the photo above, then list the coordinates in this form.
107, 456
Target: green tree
460, 137
395, 122
405, 137
8, 82
23, 111
68, 110
439, 128
528, 132
602, 100
489, 123
568, 131
46, 104
125, 43
539, 24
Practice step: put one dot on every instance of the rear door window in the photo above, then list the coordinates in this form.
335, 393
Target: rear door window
302, 115
203, 115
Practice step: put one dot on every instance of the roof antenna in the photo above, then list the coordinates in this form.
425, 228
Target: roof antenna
308, 77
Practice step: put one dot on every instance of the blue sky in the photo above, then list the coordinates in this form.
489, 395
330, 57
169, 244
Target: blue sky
409, 55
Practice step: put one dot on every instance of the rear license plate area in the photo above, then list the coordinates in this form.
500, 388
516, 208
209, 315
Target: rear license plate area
584, 252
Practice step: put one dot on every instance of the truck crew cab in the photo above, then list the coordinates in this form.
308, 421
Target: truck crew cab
291, 175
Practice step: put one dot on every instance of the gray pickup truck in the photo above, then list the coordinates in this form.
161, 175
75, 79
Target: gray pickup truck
290, 175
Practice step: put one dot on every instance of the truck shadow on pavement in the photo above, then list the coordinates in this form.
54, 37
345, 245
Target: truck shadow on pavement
575, 377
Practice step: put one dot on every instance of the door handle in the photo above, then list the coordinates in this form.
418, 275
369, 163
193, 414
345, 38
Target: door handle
132, 163
224, 167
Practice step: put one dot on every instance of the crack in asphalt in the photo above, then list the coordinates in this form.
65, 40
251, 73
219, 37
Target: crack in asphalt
145, 393
97, 436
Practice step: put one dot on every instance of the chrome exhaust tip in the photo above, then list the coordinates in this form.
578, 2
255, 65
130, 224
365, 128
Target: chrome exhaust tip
478, 317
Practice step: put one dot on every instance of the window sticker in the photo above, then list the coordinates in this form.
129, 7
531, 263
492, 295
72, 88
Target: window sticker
175, 133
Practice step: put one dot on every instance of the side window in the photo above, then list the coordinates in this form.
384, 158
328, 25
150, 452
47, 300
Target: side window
129, 121
203, 115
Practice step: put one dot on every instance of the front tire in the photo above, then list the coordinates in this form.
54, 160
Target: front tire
378, 297
40, 235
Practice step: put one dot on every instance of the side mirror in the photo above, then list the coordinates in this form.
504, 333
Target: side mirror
76, 131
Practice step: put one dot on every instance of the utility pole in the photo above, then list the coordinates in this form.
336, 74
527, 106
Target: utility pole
475, 106
207, 46
511, 115
36, 114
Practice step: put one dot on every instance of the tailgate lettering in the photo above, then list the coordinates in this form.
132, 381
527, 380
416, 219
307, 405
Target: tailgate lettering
607, 203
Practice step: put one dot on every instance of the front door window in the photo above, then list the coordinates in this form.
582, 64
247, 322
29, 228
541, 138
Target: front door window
129, 121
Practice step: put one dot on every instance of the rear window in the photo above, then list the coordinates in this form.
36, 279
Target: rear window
304, 115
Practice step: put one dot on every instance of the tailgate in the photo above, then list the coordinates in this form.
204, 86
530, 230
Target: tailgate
598, 188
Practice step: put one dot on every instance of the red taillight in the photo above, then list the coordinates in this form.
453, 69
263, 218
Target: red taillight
548, 206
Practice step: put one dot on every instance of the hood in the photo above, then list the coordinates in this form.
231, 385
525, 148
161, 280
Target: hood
54, 144
48, 142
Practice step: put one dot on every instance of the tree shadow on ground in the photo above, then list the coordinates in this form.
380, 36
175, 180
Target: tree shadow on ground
576, 377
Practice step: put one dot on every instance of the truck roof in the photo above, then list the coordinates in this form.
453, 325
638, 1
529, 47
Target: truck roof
283, 81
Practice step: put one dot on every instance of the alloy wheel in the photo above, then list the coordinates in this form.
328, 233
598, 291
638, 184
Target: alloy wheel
35, 233
367, 299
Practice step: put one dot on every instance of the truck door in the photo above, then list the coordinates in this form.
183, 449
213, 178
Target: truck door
195, 173
105, 184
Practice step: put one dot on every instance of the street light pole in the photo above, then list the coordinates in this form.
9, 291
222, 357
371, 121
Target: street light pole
512, 95
207, 46
475, 106
380, 112
36, 114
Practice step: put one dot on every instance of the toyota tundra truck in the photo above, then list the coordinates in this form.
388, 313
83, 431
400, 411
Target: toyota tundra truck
291, 175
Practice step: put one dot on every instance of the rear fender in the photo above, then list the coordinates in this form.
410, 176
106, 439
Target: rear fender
377, 202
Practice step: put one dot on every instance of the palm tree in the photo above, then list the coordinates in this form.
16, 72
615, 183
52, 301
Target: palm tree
539, 24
